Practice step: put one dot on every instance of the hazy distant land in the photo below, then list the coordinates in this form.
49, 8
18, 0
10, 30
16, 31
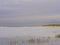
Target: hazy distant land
52, 25
49, 25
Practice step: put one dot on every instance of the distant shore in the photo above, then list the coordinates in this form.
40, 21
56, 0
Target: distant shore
47, 26
51, 25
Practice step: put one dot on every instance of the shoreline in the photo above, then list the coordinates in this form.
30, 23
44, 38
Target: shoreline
48, 26
35, 27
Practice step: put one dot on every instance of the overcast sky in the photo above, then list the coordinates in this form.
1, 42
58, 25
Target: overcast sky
29, 12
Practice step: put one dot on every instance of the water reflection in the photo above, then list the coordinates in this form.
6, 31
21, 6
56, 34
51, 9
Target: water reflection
29, 36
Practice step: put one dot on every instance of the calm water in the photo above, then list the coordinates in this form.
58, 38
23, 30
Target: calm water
21, 34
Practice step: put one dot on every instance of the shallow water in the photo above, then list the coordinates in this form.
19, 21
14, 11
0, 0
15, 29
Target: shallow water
28, 31
22, 34
6, 41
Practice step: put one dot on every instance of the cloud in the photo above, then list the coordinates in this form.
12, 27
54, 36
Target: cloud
30, 20
29, 12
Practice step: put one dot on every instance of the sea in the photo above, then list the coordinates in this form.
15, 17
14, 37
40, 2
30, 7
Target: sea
29, 35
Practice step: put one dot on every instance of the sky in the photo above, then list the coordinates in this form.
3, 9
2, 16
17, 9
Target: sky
29, 12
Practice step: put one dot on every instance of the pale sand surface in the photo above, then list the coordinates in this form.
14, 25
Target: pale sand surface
47, 26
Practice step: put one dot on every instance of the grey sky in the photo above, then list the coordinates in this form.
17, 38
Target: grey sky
29, 12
